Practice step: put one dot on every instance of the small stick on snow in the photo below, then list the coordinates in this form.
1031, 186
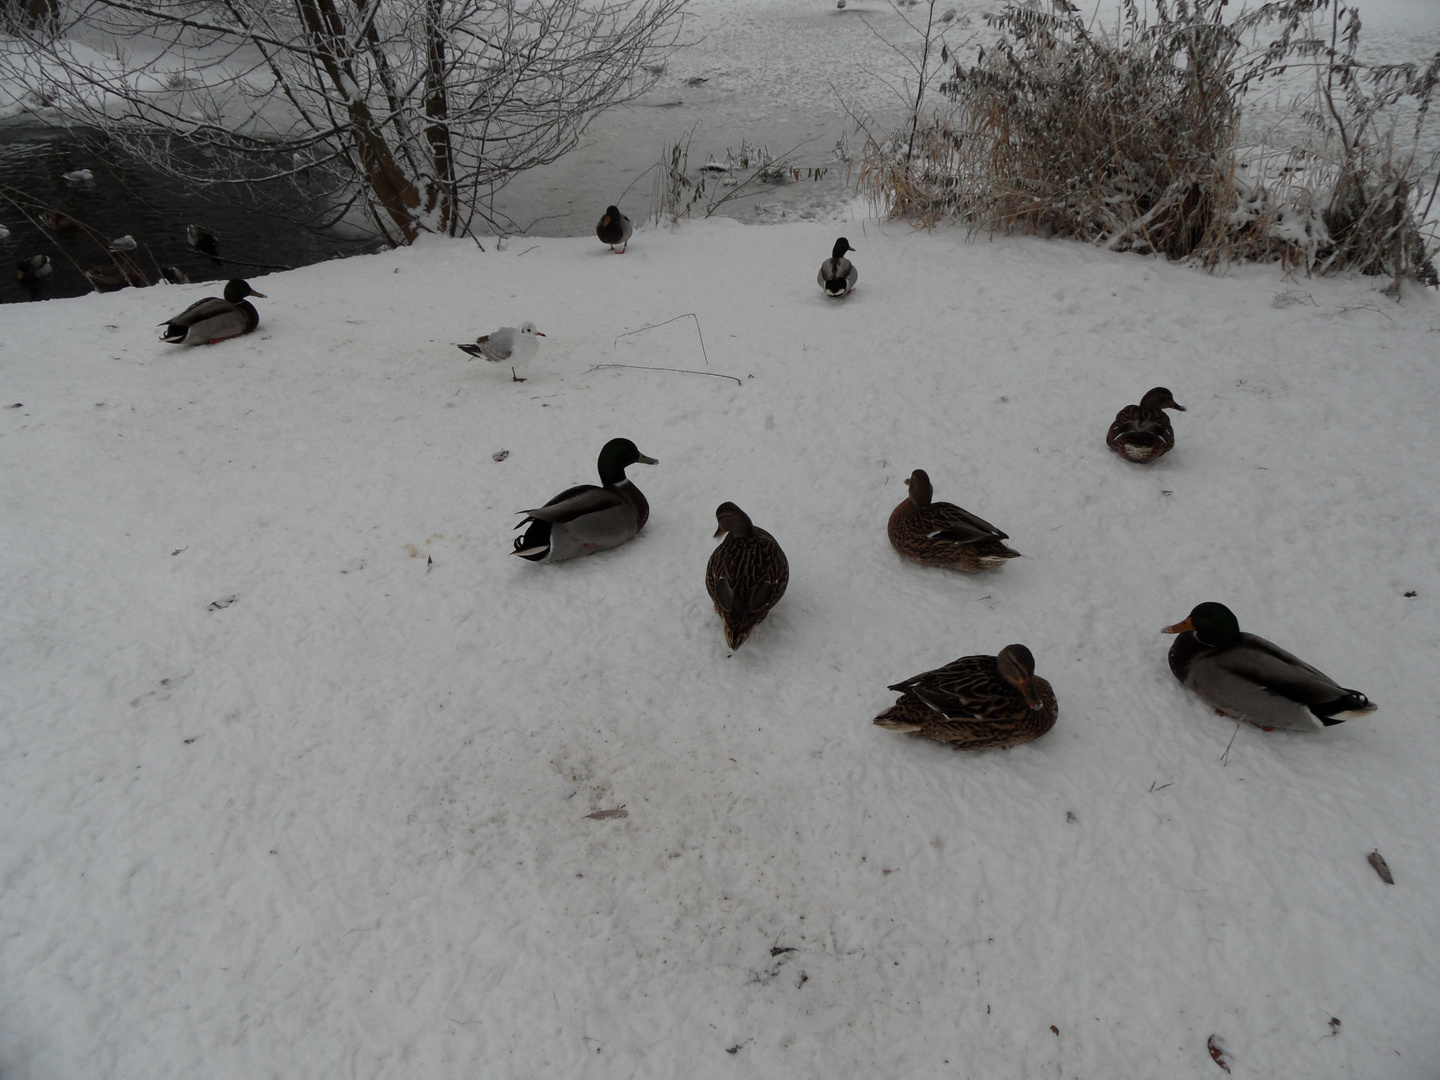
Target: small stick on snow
667, 322
682, 371
1381, 867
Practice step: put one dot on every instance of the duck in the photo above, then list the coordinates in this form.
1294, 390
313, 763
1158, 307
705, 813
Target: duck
976, 702
213, 319
837, 274
112, 278
174, 275
203, 240
746, 576
35, 268
585, 519
615, 228
942, 534
1251, 679
507, 343
1142, 433
57, 220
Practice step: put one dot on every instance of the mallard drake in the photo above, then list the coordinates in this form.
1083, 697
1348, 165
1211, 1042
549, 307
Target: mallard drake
615, 228
1251, 679
508, 343
203, 240
746, 576
976, 702
33, 270
942, 534
1142, 432
585, 519
838, 274
213, 319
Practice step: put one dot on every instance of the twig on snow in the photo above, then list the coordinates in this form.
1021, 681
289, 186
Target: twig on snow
667, 322
682, 371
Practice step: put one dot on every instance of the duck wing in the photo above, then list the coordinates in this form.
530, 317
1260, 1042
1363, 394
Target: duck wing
1270, 667
969, 688
575, 502
1136, 422
946, 521
201, 310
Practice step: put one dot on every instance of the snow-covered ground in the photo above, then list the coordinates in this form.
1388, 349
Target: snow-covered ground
338, 827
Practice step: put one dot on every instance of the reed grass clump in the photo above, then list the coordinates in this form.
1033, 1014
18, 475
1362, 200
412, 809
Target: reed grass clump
1129, 138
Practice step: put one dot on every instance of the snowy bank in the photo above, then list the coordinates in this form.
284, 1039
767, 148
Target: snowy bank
338, 826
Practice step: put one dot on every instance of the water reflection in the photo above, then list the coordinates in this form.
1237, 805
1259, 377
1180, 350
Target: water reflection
111, 215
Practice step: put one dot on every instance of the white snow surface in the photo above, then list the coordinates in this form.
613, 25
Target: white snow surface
338, 827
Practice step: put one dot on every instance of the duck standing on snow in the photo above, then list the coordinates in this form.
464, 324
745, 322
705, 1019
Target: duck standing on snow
1251, 679
507, 343
585, 519
615, 228
746, 576
942, 534
976, 702
838, 274
213, 319
1142, 432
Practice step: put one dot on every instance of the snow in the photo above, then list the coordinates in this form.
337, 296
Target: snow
339, 826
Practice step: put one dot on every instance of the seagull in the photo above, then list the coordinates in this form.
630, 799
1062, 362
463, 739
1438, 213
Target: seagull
123, 243
79, 176
4, 233
507, 343
615, 228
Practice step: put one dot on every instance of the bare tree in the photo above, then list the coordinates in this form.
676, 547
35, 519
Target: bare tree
416, 111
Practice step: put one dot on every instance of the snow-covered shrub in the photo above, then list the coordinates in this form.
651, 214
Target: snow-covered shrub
1128, 138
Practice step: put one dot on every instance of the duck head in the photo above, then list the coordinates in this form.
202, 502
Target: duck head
237, 290
732, 520
616, 456
1160, 398
1016, 666
1212, 624
841, 247
920, 490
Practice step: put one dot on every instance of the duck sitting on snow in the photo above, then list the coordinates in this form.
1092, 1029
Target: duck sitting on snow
1251, 679
838, 274
214, 319
747, 574
615, 228
1142, 432
976, 702
585, 519
942, 534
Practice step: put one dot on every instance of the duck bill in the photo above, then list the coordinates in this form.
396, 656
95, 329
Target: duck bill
643, 460
1178, 407
1179, 627
261, 295
1026, 687
719, 532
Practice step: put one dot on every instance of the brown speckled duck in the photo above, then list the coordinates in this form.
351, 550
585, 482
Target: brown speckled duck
942, 534
747, 574
1142, 432
975, 702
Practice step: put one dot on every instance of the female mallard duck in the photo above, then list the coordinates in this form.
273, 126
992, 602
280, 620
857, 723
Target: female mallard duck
203, 240
114, 276
976, 702
942, 534
615, 228
585, 519
838, 274
213, 319
1142, 432
1251, 679
746, 576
